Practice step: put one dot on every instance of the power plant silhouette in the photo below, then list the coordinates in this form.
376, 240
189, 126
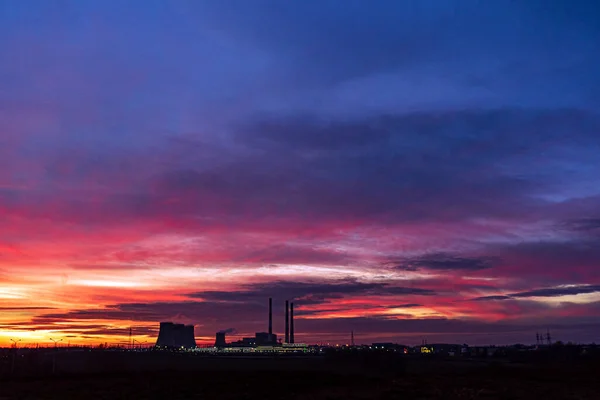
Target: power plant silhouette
263, 338
177, 336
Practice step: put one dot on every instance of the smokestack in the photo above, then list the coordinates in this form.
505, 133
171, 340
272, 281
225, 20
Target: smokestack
270, 316
292, 323
287, 322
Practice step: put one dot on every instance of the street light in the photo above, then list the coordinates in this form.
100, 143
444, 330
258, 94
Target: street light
56, 341
14, 356
140, 343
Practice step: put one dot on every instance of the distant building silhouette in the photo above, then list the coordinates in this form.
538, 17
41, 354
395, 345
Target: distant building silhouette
265, 338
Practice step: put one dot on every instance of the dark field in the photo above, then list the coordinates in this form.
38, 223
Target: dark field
170, 376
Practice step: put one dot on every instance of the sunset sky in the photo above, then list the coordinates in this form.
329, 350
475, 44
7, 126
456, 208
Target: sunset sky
403, 169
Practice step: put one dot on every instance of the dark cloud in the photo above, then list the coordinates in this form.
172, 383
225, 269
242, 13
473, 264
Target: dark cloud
455, 136
486, 298
399, 290
366, 308
294, 254
304, 293
584, 224
545, 292
407, 305
558, 291
306, 133
445, 262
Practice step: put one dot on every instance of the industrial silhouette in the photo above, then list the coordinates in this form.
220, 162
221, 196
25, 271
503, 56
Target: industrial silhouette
262, 338
173, 335
287, 322
291, 323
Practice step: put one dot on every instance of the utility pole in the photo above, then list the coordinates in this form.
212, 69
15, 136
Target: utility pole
130, 338
352, 338
548, 338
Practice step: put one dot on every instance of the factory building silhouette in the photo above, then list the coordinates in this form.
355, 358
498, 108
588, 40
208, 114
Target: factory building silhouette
263, 338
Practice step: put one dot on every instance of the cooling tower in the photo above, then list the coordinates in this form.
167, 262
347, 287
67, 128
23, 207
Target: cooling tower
188, 339
165, 335
220, 339
176, 336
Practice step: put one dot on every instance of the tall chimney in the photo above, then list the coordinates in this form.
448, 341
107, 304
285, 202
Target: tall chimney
292, 323
287, 322
270, 316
